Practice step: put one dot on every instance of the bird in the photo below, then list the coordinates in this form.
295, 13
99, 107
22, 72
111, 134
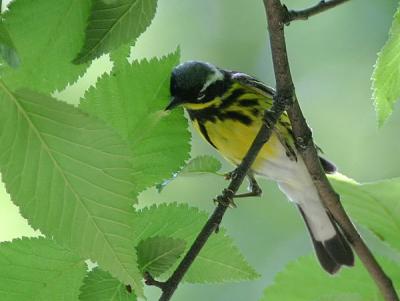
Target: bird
227, 109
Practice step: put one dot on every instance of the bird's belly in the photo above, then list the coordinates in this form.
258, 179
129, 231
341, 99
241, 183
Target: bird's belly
233, 140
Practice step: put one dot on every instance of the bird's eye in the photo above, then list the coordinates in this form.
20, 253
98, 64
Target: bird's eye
201, 96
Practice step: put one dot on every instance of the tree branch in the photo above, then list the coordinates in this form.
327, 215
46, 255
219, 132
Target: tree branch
212, 225
276, 14
304, 14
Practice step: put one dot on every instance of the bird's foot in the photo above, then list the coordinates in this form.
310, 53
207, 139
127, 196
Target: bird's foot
230, 175
254, 189
226, 198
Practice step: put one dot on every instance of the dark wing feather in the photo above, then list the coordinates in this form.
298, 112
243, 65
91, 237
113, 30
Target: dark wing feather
269, 92
249, 81
328, 166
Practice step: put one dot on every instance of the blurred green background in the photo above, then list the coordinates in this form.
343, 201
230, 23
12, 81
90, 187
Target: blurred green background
331, 56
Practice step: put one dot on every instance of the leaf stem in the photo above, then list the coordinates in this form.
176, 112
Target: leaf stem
276, 14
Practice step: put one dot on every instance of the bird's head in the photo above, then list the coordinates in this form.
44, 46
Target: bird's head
195, 83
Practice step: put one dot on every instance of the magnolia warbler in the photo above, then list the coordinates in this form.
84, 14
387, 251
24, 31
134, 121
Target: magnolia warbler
227, 109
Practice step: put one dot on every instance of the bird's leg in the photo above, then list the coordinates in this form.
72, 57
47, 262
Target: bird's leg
254, 188
226, 198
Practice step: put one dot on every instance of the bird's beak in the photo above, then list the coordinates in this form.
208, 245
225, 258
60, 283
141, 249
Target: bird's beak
174, 102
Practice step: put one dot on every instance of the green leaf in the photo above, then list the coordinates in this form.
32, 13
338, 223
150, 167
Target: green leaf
198, 165
101, 286
344, 297
386, 75
47, 34
157, 254
201, 164
120, 56
115, 23
305, 280
7, 48
71, 177
139, 94
374, 205
219, 260
38, 269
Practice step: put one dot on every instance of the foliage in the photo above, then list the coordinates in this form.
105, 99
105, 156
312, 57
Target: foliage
113, 24
201, 164
196, 166
47, 34
99, 285
304, 280
38, 269
386, 76
157, 254
374, 205
7, 48
120, 56
64, 150
212, 264
76, 173
139, 92
76, 176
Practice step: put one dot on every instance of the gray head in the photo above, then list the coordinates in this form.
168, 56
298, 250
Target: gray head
196, 82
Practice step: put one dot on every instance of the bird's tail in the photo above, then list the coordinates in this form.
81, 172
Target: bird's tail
331, 247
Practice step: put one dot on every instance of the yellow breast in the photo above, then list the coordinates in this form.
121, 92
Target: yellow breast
231, 122
233, 140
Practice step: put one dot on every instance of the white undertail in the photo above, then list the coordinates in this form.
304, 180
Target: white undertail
295, 182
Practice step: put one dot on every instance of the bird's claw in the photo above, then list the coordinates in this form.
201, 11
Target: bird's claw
255, 189
230, 175
226, 199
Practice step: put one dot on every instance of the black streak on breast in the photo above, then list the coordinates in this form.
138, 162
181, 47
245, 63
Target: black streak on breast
203, 131
237, 116
207, 114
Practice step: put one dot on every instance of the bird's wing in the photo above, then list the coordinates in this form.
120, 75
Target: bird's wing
253, 83
269, 92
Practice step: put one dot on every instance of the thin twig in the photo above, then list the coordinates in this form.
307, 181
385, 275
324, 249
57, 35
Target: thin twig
149, 280
304, 14
305, 146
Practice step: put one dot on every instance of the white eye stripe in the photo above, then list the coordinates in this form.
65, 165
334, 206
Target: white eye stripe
217, 75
